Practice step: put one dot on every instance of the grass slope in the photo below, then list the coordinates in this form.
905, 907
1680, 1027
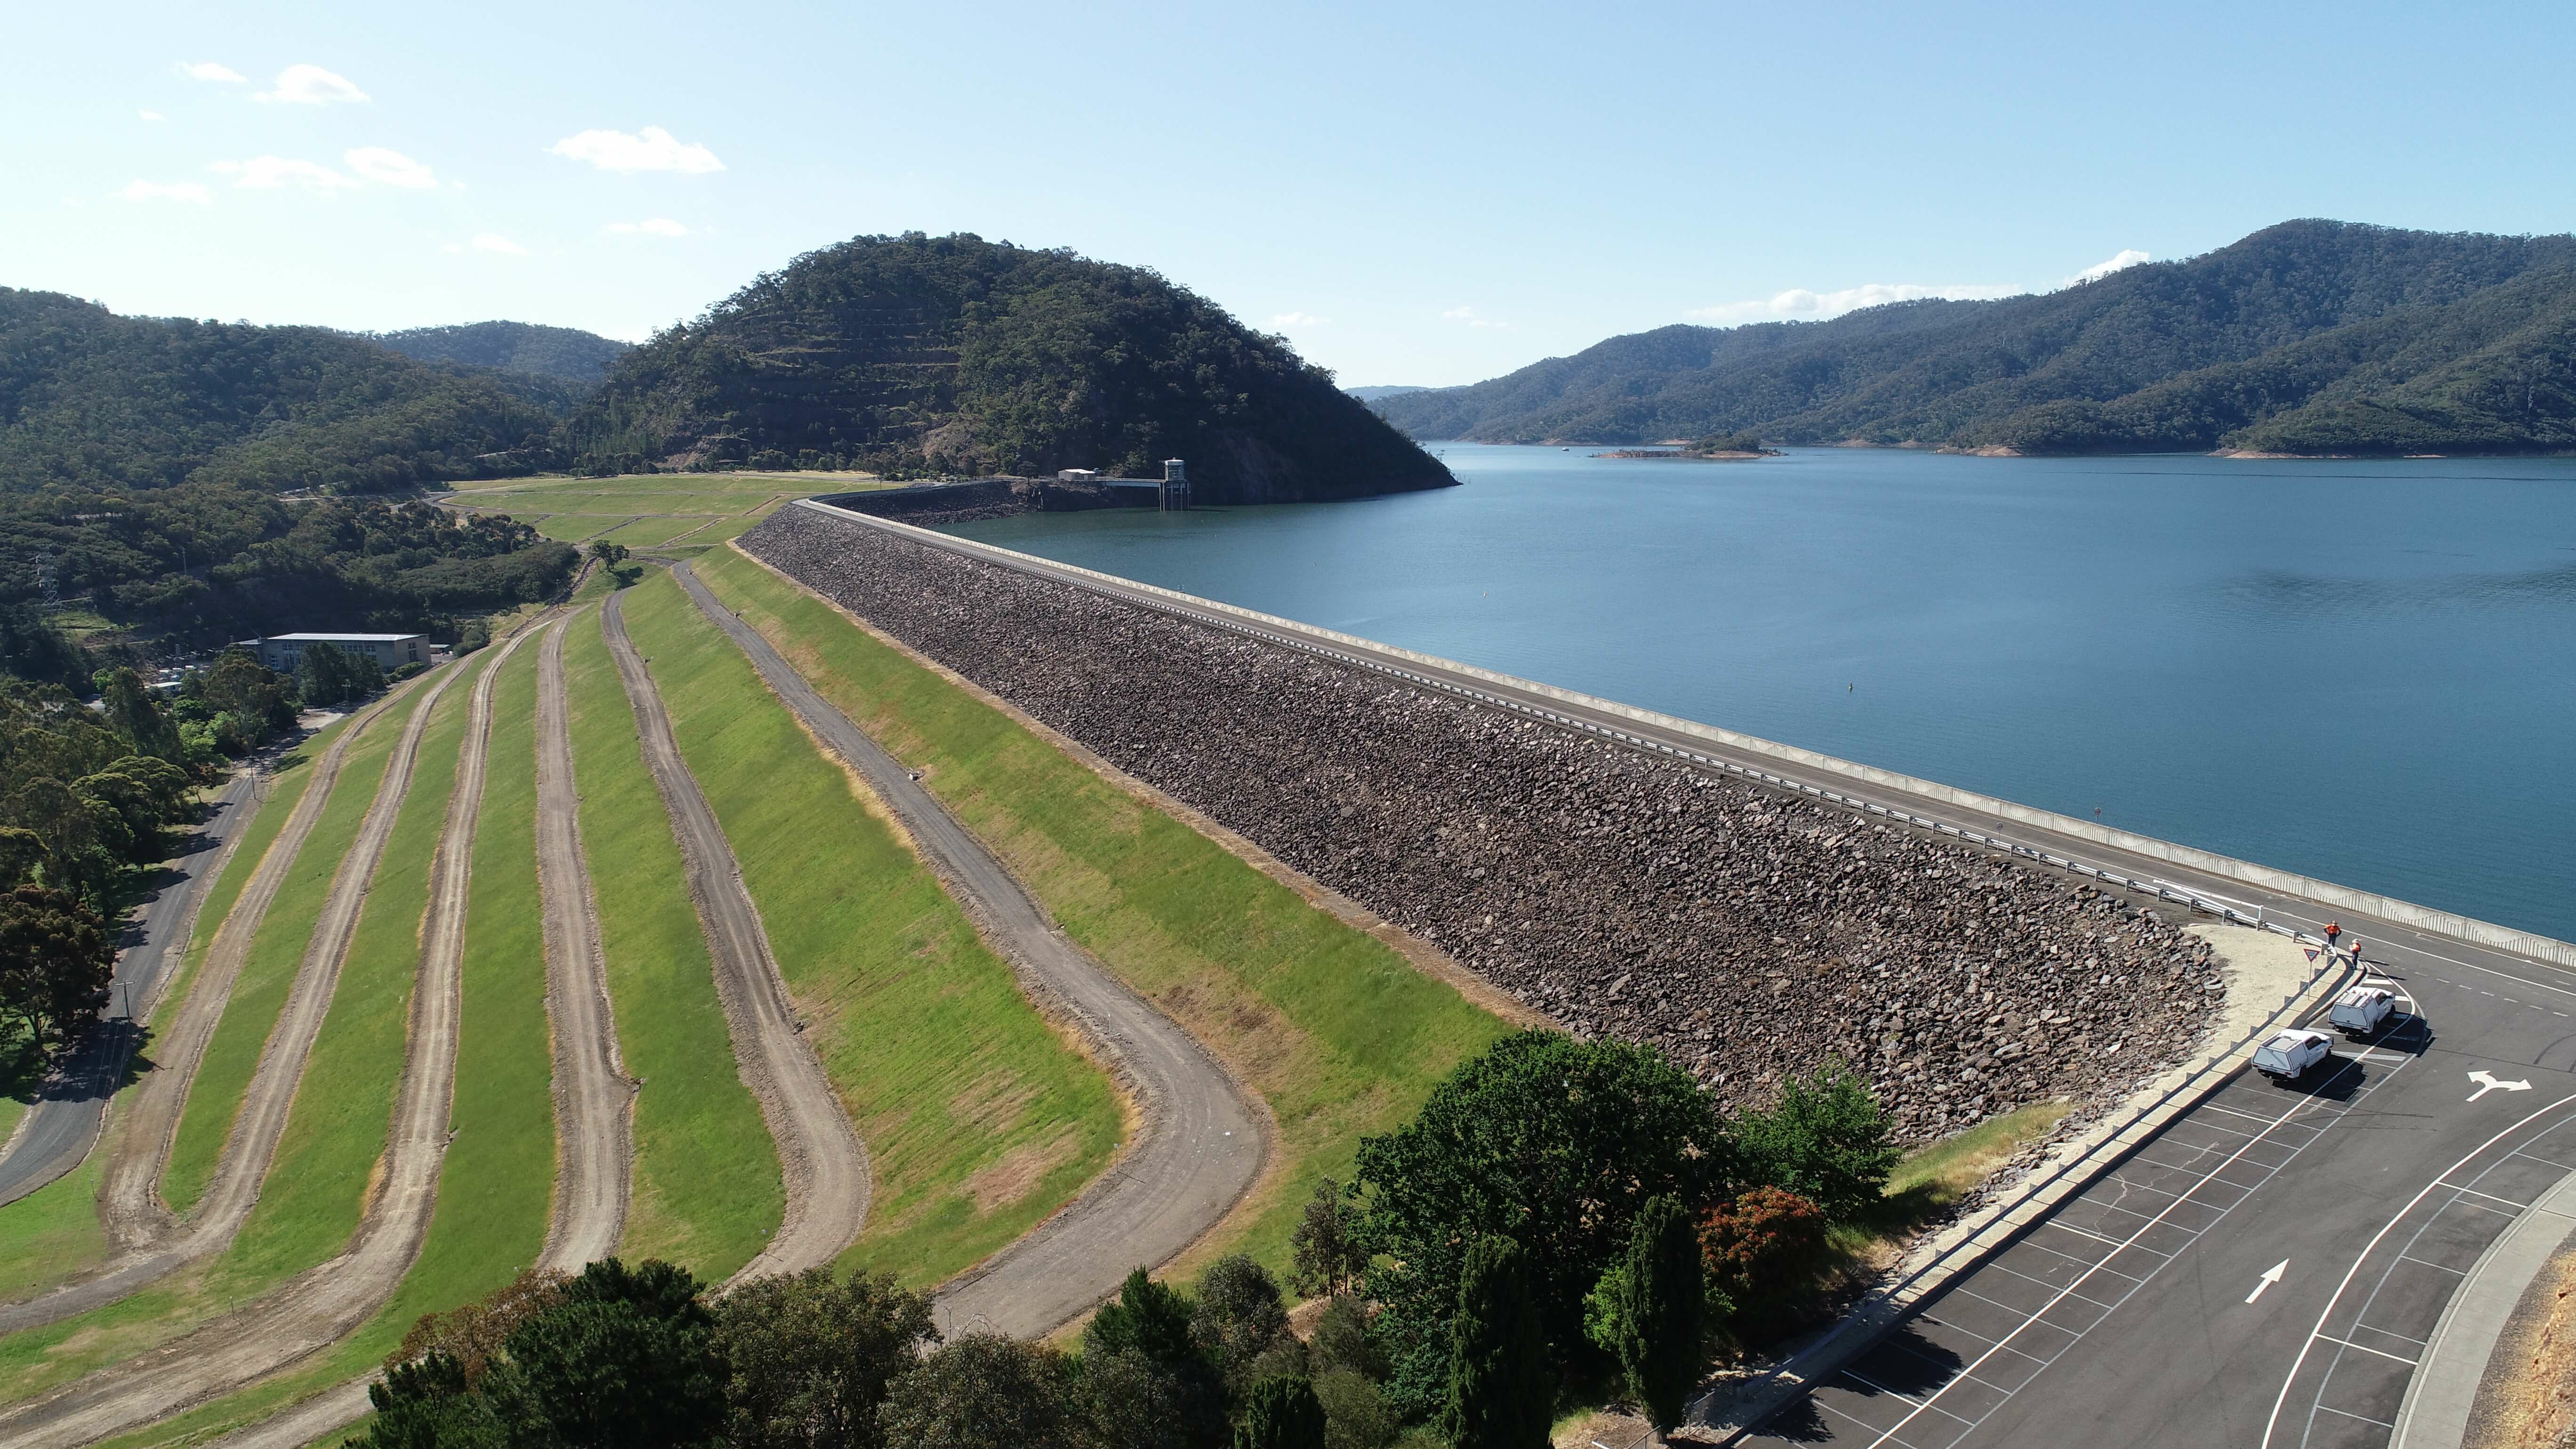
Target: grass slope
707, 1187
1338, 1033
979, 1120
315, 1190
495, 1188
259, 992
53, 1231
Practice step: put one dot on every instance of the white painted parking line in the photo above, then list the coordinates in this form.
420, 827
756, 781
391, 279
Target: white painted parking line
2429, 1263
2516, 1205
2366, 1348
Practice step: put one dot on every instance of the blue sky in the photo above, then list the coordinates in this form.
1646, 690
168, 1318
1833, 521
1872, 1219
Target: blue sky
1413, 193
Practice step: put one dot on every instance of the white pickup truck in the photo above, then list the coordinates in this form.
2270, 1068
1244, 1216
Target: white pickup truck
2359, 1011
2286, 1056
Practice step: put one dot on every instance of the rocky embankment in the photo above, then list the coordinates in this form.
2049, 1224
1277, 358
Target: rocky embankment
1745, 933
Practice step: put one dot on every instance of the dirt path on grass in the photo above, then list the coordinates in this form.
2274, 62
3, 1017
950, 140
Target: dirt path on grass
594, 1100
324, 1304
1202, 1139
819, 1152
155, 1243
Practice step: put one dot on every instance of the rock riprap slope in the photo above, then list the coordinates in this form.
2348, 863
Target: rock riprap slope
1745, 933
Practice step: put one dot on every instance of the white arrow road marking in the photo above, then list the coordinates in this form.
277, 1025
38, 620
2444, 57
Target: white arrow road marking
2271, 1276
2487, 1083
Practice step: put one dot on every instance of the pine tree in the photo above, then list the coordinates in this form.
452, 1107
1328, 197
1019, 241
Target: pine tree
1281, 1413
1650, 1311
1501, 1389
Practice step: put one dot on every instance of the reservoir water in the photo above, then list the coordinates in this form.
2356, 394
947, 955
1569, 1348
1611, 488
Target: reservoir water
2364, 672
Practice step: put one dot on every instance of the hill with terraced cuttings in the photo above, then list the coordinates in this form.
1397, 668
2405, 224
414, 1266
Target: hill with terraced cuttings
952, 354
2308, 338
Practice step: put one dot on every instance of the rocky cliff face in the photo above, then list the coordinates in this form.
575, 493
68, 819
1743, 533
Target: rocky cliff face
1746, 933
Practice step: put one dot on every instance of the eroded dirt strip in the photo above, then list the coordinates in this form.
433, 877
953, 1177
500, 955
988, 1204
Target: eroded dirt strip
594, 1099
1202, 1139
819, 1152
155, 1243
324, 1304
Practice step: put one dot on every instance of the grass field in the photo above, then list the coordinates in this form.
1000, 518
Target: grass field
1341, 1035
707, 1186
979, 1119
311, 1199
259, 992
52, 1232
647, 510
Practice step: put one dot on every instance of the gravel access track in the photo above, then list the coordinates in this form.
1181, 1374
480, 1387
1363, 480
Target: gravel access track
819, 1152
594, 1098
1744, 931
156, 1244
324, 1304
1201, 1141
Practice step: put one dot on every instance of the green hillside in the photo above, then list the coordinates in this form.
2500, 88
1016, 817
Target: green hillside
954, 354
2308, 337
565, 354
89, 399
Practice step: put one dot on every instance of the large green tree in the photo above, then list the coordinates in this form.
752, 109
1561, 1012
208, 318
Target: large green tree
1650, 1312
1501, 1384
985, 1391
626, 1361
811, 1358
55, 962
1281, 1413
1552, 1143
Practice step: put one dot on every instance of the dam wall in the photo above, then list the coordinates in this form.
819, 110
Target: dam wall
932, 505
1744, 932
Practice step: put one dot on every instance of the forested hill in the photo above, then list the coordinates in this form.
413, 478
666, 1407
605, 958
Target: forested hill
93, 400
954, 354
2311, 337
565, 354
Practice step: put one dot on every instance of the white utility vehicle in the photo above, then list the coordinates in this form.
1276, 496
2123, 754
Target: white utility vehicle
2289, 1055
2360, 1010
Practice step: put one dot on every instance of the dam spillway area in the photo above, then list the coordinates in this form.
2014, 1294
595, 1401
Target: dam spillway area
1745, 932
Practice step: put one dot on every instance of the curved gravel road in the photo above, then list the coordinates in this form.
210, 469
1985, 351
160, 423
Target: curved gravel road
324, 1304
58, 1132
158, 1245
819, 1152
1202, 1140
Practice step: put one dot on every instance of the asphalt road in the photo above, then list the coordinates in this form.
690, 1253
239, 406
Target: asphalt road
2122, 1319
1202, 1139
61, 1127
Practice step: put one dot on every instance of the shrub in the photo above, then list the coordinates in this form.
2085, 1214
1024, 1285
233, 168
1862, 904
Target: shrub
1281, 1413
1650, 1312
1761, 1253
1826, 1139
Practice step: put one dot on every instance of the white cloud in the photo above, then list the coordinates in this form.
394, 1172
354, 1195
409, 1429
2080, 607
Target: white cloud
453, 248
1287, 321
657, 226
653, 150
189, 191
311, 85
207, 70
493, 241
271, 172
149, 115
1468, 316
393, 168
1800, 304
2129, 257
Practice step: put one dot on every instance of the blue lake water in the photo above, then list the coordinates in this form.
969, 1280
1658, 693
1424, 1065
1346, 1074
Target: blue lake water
2360, 671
